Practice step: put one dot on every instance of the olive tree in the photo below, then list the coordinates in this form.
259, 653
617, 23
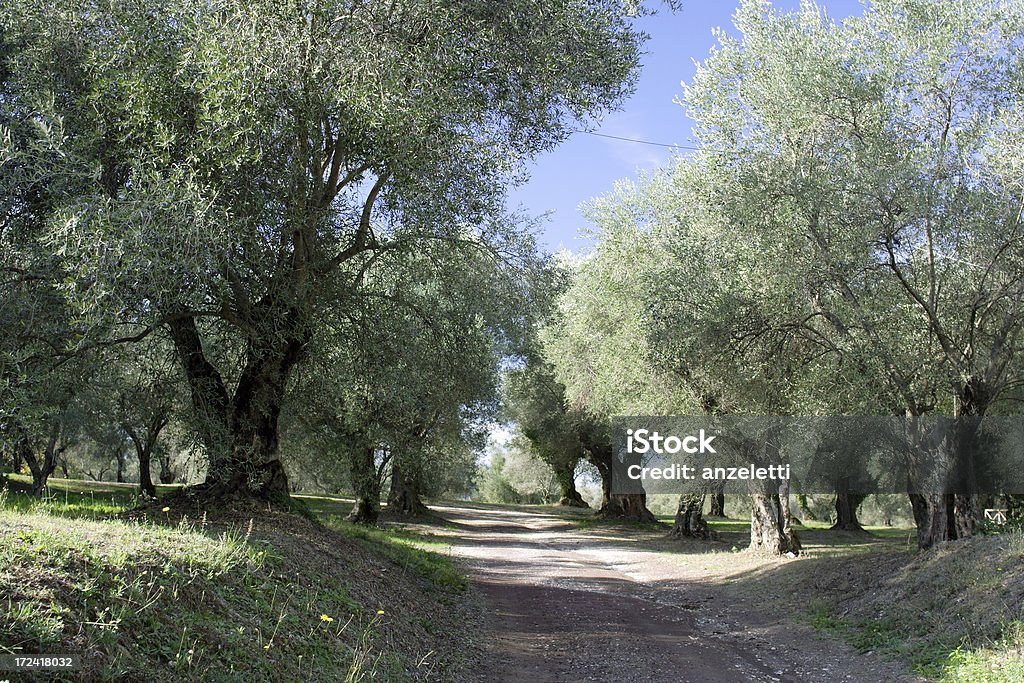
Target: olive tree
869, 166
535, 402
229, 169
599, 353
410, 366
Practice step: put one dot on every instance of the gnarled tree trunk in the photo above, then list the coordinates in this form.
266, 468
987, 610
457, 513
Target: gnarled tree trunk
145, 477
144, 443
122, 463
404, 495
946, 509
846, 504
565, 475
931, 516
240, 432
689, 520
167, 473
771, 531
365, 485
717, 501
631, 506
42, 469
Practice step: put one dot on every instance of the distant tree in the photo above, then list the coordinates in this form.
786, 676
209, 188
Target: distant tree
144, 393
535, 402
410, 366
515, 474
599, 351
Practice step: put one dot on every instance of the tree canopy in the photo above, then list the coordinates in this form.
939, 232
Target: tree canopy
229, 171
846, 240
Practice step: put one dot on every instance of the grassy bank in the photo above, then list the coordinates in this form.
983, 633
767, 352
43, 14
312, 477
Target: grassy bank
172, 597
953, 614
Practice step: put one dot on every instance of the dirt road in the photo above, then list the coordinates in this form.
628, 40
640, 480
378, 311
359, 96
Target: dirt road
567, 605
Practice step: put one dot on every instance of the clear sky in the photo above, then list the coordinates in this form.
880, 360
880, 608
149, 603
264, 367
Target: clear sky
587, 166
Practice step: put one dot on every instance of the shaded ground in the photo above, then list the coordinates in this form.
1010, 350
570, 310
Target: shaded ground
566, 604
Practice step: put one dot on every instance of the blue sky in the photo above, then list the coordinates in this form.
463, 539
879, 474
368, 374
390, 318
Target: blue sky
587, 166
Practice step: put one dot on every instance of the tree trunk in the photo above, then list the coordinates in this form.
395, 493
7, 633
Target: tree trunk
931, 516
404, 496
961, 503
964, 509
786, 515
145, 443
964, 516
632, 506
952, 514
717, 502
770, 530
846, 507
241, 432
565, 475
121, 461
145, 477
689, 522
771, 523
365, 485
41, 470
40, 475
167, 473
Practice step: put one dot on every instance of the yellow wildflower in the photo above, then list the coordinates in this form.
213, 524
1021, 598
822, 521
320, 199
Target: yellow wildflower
324, 617
166, 509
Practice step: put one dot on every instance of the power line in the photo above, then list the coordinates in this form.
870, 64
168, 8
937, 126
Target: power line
639, 142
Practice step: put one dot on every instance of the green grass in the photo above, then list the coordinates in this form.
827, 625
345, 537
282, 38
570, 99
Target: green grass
111, 488
413, 552
1001, 662
416, 552
170, 602
952, 613
69, 498
151, 599
887, 636
74, 498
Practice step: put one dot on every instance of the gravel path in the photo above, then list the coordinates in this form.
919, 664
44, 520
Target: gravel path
566, 605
